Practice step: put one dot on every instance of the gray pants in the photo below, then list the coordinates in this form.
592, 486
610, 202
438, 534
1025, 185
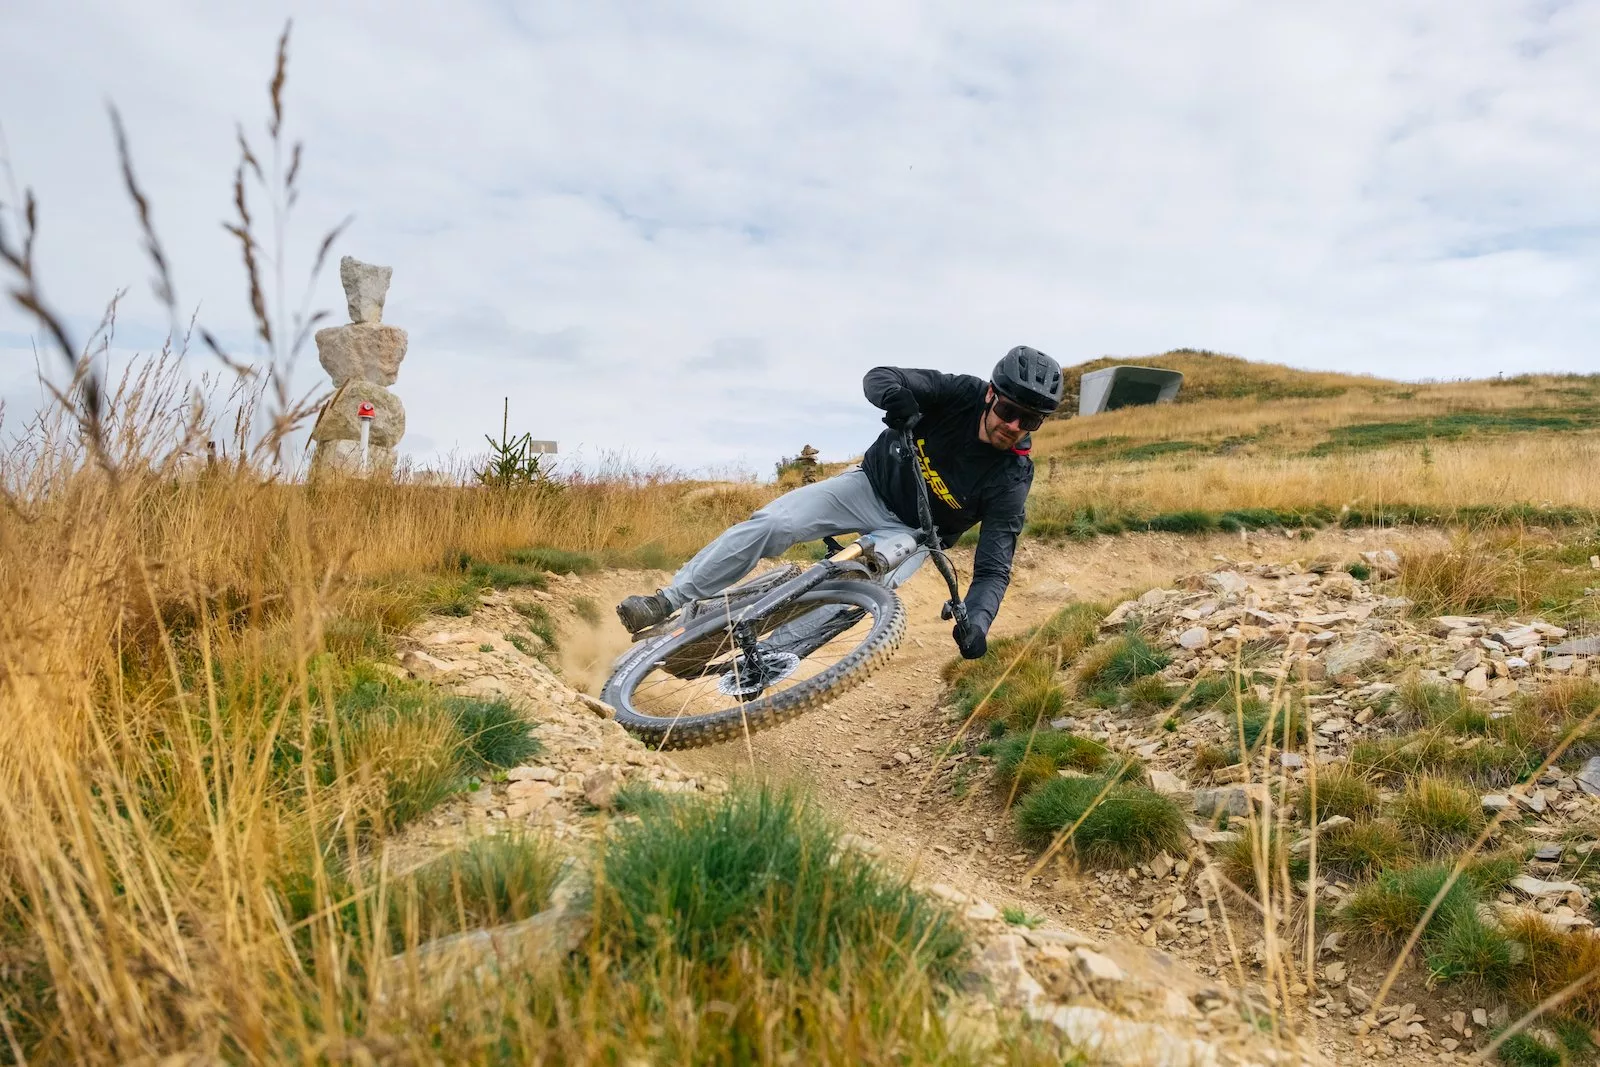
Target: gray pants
839, 505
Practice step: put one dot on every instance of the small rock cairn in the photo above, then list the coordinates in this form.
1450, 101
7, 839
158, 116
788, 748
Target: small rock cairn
362, 357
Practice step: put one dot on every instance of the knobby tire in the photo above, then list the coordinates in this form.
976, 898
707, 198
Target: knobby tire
692, 731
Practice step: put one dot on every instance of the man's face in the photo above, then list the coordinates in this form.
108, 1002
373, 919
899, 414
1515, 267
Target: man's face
996, 431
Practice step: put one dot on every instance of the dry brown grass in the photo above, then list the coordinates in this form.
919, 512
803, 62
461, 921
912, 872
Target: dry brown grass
1303, 420
1492, 471
1265, 447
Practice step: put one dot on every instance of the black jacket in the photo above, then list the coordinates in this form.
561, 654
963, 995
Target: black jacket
968, 481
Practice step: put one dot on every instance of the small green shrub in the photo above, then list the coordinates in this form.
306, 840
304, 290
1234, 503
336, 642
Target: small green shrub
450, 596
636, 797
587, 610
1128, 825
1210, 691
1430, 752
1070, 630
1445, 706
1287, 722
495, 733
1358, 570
1019, 917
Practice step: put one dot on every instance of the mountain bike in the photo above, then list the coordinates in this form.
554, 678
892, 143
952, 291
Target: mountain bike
784, 642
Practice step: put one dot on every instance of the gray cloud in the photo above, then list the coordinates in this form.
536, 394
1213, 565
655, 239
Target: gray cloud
735, 355
586, 206
484, 331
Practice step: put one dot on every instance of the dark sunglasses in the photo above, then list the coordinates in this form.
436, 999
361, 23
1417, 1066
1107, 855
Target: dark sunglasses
1026, 418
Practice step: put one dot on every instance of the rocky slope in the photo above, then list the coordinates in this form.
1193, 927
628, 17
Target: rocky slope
1117, 1001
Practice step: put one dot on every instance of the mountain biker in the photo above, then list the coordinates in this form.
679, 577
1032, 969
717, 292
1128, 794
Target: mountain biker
972, 440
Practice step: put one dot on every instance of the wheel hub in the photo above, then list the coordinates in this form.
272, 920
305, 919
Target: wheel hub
746, 679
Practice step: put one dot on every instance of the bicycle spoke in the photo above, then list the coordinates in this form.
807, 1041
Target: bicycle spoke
666, 695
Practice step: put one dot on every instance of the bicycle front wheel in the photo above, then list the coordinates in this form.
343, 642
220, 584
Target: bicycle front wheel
807, 652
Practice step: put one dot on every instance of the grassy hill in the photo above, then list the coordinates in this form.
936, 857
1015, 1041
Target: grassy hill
1215, 376
1248, 435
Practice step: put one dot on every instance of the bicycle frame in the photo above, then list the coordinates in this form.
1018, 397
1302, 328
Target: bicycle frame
813, 628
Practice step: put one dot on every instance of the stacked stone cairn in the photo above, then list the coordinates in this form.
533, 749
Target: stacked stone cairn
363, 359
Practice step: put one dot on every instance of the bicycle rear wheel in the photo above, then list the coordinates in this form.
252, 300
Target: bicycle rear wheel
808, 651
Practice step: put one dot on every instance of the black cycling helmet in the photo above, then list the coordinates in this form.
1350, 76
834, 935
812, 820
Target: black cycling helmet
1028, 377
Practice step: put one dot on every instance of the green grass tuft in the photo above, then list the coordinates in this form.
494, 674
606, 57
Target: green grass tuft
1342, 792
1469, 949
500, 879
1525, 1050
1129, 825
1027, 759
758, 870
506, 575
1150, 693
1431, 752
1019, 917
540, 624
556, 560
1191, 521
1238, 860
495, 733
1119, 661
1441, 817
1287, 722
1360, 849
637, 797
1389, 907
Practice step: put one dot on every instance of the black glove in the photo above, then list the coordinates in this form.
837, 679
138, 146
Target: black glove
899, 409
971, 640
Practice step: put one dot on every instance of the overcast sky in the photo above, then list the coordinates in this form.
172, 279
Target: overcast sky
683, 231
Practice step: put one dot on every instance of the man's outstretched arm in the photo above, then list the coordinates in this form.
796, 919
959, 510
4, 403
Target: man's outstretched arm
903, 392
991, 567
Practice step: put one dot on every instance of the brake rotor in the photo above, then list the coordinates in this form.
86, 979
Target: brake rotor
743, 683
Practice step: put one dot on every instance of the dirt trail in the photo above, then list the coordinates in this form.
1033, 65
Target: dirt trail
871, 756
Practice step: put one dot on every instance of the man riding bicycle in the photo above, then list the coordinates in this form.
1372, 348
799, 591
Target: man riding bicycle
972, 451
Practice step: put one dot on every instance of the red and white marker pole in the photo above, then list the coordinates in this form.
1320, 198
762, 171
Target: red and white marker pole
366, 413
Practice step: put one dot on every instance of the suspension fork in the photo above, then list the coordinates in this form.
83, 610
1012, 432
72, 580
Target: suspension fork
954, 608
